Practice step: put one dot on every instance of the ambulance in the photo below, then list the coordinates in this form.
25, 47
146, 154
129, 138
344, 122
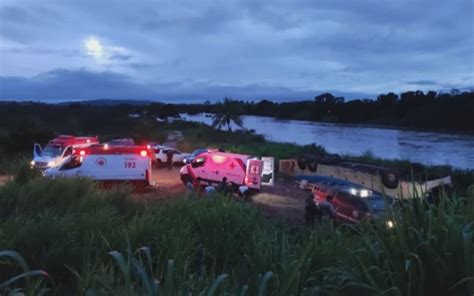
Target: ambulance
215, 167
131, 164
58, 149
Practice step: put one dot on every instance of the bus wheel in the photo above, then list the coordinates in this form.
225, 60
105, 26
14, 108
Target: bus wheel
302, 162
313, 165
390, 179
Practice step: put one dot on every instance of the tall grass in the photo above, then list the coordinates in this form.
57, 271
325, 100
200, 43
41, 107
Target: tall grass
105, 243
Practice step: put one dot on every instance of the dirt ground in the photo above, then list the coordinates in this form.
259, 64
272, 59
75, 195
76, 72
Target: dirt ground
284, 201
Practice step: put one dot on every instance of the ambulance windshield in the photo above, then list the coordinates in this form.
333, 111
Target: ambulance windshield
52, 151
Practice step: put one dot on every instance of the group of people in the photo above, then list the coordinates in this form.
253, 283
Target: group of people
316, 212
223, 188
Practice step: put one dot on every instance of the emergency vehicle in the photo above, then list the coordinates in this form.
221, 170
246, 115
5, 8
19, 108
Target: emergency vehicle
351, 203
58, 149
103, 163
213, 166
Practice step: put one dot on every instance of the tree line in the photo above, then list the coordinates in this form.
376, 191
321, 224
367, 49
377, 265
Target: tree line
412, 109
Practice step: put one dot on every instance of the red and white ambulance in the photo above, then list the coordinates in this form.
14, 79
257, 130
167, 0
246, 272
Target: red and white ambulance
58, 149
213, 166
130, 164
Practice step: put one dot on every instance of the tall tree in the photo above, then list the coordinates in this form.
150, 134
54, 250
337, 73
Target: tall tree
228, 113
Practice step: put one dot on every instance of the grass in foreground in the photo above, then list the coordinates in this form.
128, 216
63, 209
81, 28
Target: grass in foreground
104, 242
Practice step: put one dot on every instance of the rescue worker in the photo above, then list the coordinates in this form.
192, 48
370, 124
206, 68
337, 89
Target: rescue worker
318, 210
210, 190
244, 193
222, 187
325, 209
310, 210
169, 160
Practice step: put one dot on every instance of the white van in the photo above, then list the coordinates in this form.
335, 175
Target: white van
104, 163
214, 166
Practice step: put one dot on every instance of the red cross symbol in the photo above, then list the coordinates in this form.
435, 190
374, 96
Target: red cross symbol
232, 165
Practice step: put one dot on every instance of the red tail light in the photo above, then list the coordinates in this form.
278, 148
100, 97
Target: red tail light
143, 153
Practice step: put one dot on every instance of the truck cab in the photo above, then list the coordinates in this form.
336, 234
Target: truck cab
58, 150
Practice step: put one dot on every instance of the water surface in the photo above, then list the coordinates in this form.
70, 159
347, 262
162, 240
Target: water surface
430, 148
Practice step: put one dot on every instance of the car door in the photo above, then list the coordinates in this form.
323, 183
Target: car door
37, 150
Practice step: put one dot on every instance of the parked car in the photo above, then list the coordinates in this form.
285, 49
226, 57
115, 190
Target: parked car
121, 142
351, 202
161, 154
192, 155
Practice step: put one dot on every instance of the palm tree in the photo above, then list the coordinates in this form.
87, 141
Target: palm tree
229, 112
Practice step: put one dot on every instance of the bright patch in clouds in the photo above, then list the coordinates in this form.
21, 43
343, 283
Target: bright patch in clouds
94, 47
105, 53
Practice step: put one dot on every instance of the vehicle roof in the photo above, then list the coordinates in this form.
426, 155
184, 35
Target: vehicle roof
66, 140
227, 154
100, 149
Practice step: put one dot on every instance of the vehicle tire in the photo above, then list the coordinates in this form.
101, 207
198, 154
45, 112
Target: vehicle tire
302, 162
390, 179
312, 165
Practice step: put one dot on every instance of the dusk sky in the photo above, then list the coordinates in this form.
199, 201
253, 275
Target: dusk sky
189, 50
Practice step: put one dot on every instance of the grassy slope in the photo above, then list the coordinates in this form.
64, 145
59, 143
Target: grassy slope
67, 227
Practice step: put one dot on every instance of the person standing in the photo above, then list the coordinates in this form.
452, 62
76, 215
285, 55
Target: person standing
169, 160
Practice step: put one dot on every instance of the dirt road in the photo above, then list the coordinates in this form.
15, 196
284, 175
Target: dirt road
283, 201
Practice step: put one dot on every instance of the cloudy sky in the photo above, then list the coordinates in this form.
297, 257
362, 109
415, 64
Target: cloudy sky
247, 49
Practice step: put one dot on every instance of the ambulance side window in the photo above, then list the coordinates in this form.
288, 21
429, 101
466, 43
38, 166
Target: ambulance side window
75, 162
198, 162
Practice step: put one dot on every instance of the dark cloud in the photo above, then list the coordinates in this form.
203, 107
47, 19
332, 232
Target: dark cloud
121, 57
63, 85
423, 82
14, 14
363, 46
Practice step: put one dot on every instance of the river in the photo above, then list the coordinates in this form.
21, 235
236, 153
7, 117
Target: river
426, 147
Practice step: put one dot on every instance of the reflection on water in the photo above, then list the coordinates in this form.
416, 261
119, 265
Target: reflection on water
431, 148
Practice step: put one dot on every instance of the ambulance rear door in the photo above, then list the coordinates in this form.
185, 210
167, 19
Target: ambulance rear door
253, 174
268, 171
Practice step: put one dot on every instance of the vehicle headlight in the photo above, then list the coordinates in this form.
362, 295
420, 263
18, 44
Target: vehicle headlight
32, 162
390, 224
50, 163
364, 193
